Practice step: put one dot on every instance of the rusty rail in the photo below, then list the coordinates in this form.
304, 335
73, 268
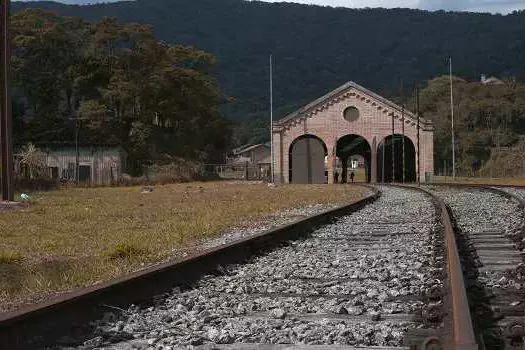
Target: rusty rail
463, 331
41, 325
463, 337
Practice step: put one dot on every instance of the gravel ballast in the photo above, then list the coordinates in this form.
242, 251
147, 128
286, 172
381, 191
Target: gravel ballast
485, 217
356, 282
489, 231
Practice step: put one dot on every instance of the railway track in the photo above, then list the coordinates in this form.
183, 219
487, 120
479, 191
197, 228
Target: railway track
384, 277
490, 225
364, 280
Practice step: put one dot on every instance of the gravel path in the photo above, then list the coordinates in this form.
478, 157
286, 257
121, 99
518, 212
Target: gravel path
355, 282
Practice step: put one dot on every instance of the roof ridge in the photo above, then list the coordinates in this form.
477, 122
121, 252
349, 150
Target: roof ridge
339, 90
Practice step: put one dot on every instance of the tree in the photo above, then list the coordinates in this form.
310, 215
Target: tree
128, 88
34, 160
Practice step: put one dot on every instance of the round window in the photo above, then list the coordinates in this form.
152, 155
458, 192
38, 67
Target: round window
351, 114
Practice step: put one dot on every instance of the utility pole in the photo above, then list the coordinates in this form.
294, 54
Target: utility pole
452, 114
403, 139
418, 153
393, 153
78, 124
6, 111
271, 121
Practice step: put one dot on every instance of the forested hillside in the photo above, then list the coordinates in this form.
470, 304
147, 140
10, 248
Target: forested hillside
487, 117
316, 49
319, 48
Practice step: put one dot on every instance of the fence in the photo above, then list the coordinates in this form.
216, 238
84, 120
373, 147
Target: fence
246, 171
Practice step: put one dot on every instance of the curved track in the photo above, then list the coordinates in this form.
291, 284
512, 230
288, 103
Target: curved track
360, 281
386, 276
489, 225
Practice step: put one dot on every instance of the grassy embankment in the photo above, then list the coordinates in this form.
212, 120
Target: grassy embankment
75, 237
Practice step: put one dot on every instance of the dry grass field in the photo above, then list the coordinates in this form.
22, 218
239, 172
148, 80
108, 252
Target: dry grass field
512, 181
75, 237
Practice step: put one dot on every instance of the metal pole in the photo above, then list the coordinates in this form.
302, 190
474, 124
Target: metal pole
403, 140
393, 153
418, 153
383, 162
309, 160
6, 111
271, 120
452, 114
77, 151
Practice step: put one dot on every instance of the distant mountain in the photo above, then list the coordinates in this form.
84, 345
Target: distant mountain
316, 48
84, 2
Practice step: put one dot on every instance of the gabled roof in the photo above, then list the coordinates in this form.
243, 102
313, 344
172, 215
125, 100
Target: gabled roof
492, 81
241, 148
311, 107
247, 148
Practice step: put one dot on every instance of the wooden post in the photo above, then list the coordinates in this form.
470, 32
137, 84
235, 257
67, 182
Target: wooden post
6, 147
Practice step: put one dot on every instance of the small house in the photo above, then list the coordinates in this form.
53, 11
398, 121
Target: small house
253, 154
97, 165
491, 80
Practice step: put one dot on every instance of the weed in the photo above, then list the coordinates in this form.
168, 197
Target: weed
126, 250
10, 257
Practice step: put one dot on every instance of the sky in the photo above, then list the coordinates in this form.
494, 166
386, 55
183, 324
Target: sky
493, 6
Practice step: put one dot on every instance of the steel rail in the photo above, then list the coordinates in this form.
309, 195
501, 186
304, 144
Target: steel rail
514, 329
463, 336
43, 324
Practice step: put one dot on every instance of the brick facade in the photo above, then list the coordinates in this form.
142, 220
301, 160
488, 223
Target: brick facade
324, 118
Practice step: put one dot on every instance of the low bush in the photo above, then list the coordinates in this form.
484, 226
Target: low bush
177, 171
22, 184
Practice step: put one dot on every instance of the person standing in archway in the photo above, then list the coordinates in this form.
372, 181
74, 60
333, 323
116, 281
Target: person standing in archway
352, 176
336, 177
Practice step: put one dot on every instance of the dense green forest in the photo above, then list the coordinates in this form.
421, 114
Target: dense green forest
316, 49
116, 84
485, 117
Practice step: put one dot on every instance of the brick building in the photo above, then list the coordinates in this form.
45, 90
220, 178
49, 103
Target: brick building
351, 121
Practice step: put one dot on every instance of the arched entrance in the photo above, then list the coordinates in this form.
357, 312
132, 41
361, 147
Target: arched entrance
307, 160
385, 165
350, 149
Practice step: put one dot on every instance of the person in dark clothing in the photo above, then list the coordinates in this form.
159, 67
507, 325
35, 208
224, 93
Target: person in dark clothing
336, 177
352, 176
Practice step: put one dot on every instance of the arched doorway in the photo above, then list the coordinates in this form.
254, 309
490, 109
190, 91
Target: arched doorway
385, 165
350, 149
307, 160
